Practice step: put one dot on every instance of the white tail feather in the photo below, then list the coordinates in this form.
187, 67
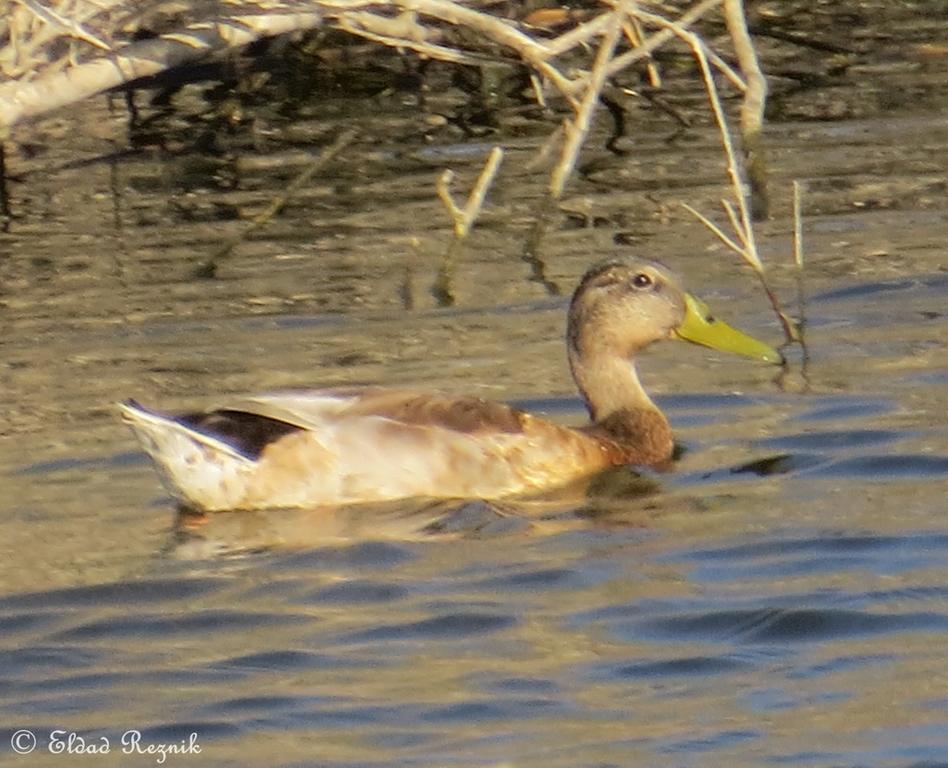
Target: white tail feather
197, 469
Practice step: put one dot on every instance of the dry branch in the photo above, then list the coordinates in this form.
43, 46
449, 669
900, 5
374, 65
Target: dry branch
656, 41
23, 100
798, 259
463, 218
578, 128
752, 107
798, 224
71, 26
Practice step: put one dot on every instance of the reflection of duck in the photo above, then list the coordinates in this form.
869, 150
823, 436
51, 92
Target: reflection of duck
342, 446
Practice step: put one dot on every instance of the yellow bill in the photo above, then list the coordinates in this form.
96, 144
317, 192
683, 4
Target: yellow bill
701, 327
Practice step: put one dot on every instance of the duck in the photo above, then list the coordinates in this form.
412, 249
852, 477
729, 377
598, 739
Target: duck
343, 446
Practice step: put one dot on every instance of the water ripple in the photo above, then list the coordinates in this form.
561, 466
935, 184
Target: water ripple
171, 625
147, 592
357, 591
285, 660
361, 556
452, 626
887, 467
832, 440
826, 551
781, 625
691, 666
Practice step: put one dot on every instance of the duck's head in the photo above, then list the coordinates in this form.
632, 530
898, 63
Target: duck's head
623, 305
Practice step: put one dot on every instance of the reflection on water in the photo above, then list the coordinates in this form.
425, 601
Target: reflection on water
781, 597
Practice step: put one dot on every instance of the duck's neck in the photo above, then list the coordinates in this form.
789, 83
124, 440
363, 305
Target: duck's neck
619, 406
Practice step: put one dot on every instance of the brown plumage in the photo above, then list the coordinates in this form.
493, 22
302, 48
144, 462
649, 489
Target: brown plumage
342, 446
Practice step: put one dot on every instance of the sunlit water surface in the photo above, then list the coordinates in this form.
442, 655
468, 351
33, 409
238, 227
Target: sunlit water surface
780, 598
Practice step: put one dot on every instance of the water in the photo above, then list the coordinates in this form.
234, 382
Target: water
780, 599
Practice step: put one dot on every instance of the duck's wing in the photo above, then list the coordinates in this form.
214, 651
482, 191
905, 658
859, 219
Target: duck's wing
313, 410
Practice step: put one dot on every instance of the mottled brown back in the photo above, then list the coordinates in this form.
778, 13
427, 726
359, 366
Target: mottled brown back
470, 415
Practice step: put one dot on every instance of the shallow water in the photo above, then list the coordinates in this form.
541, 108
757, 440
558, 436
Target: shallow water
780, 598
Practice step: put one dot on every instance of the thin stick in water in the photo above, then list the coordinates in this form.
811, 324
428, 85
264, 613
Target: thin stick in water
578, 128
715, 229
798, 224
798, 259
752, 107
463, 218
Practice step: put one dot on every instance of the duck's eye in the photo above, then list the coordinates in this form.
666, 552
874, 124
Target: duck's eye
641, 280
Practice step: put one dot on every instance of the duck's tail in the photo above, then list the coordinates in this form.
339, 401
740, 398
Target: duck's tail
198, 469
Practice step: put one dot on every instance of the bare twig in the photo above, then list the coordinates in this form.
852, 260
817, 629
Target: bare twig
735, 222
790, 329
537, 89
798, 224
22, 100
579, 35
656, 41
798, 259
577, 129
397, 33
633, 33
463, 218
476, 199
499, 30
752, 107
733, 166
443, 188
715, 229
70, 25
